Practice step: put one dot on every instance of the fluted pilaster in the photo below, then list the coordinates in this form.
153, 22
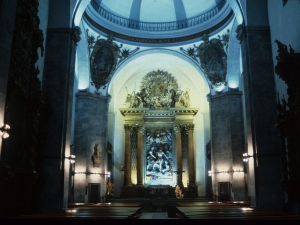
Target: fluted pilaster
189, 129
127, 172
140, 144
177, 131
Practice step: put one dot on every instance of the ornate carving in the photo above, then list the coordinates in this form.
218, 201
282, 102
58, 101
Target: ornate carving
183, 100
189, 128
159, 89
225, 39
213, 61
24, 107
212, 58
105, 56
159, 155
96, 158
127, 128
178, 192
125, 53
103, 61
177, 128
109, 187
141, 129
288, 120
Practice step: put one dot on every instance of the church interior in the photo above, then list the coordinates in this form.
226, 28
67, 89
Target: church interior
149, 99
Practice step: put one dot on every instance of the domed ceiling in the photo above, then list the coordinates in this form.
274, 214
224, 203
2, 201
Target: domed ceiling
158, 19
158, 10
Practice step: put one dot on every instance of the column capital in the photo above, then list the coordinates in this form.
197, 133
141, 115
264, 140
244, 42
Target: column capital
189, 128
141, 128
127, 128
76, 31
241, 32
177, 128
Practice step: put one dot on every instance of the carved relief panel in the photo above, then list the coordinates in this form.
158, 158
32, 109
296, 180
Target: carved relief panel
159, 156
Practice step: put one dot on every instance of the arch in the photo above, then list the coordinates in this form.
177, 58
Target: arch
238, 10
233, 59
79, 8
172, 53
83, 61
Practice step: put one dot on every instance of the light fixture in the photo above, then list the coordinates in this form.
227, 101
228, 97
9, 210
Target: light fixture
210, 173
71, 158
246, 157
4, 131
93, 173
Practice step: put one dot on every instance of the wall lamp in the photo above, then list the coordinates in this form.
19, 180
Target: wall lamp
90, 173
210, 173
4, 131
71, 158
246, 157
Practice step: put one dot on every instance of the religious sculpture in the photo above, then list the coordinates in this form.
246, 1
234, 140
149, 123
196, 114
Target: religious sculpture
159, 90
109, 187
133, 100
211, 54
184, 99
178, 192
159, 155
96, 156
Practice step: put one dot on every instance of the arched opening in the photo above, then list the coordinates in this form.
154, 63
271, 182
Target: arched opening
128, 79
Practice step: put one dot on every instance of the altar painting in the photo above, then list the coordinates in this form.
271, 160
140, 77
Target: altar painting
159, 156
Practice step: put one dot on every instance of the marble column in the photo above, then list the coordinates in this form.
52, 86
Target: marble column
177, 131
127, 172
189, 128
139, 158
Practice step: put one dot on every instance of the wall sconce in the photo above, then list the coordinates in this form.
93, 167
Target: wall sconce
4, 131
210, 173
89, 173
246, 157
71, 158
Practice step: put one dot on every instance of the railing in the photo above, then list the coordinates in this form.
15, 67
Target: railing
155, 26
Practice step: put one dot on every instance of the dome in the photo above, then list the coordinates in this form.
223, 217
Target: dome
157, 18
158, 10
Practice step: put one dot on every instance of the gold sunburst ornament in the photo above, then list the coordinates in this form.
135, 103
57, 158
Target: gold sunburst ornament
159, 89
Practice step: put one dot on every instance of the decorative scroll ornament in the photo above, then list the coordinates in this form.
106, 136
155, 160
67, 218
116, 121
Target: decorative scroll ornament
103, 61
213, 61
159, 89
212, 58
105, 56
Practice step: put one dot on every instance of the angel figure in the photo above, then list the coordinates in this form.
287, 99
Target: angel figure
178, 192
109, 187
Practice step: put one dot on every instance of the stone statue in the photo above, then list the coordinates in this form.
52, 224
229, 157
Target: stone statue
183, 99
109, 187
178, 192
96, 156
133, 100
